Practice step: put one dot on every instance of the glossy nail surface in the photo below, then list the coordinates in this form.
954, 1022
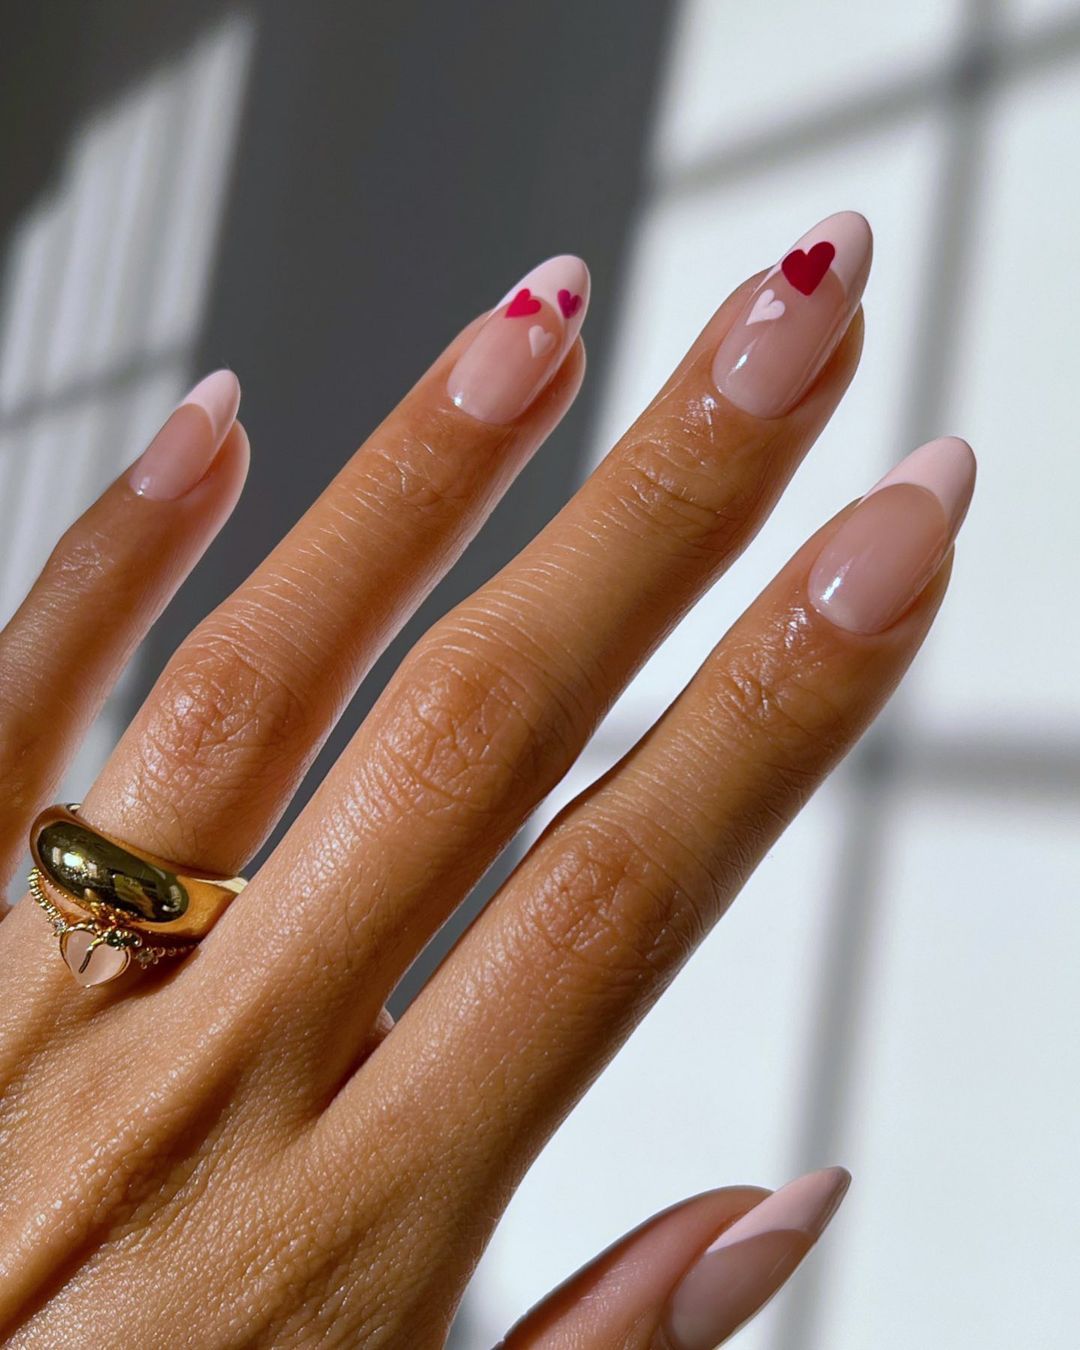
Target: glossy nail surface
185, 447
749, 1261
794, 319
523, 342
885, 552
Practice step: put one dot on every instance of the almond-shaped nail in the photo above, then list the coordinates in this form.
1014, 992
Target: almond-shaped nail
794, 319
186, 445
748, 1262
523, 342
882, 556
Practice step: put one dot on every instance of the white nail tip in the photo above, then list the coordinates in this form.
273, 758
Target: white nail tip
566, 273
218, 394
851, 236
803, 1205
946, 467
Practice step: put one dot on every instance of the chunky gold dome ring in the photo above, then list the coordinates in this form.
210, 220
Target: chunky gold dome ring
110, 903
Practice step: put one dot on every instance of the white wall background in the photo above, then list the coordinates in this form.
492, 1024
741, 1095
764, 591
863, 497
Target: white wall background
896, 989
104, 294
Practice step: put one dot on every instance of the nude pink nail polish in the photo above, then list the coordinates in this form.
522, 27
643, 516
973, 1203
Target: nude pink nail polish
794, 319
523, 342
880, 559
218, 395
185, 447
750, 1260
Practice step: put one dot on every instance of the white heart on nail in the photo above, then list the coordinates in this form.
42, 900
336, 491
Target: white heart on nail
540, 340
766, 307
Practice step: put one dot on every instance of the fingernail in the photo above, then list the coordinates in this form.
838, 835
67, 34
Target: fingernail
794, 319
881, 557
523, 342
185, 447
749, 1261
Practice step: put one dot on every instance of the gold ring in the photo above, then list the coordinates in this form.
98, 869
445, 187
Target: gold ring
106, 899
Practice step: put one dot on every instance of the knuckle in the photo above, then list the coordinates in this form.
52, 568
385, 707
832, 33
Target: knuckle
412, 469
221, 705
623, 903
769, 706
666, 483
81, 560
469, 730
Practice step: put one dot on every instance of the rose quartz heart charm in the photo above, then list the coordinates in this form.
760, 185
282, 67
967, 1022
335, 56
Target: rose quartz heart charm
92, 964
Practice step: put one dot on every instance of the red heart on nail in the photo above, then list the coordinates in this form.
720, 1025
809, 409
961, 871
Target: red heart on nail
523, 303
569, 304
806, 270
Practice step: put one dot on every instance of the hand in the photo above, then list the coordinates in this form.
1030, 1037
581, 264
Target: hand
236, 1148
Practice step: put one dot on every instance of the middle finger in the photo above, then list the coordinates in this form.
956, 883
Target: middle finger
494, 704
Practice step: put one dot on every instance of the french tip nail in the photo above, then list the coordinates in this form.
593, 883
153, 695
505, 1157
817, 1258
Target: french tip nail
879, 560
946, 467
180, 454
747, 1264
850, 235
561, 272
804, 1205
841, 1180
851, 225
507, 364
795, 317
218, 394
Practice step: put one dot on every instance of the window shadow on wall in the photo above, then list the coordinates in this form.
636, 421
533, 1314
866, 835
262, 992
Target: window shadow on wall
399, 165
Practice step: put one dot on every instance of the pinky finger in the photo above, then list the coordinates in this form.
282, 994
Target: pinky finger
105, 582
688, 1278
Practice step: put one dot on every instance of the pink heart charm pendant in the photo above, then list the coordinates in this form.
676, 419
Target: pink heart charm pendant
91, 958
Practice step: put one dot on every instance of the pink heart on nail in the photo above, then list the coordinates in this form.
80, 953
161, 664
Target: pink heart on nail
523, 303
540, 340
569, 304
766, 307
